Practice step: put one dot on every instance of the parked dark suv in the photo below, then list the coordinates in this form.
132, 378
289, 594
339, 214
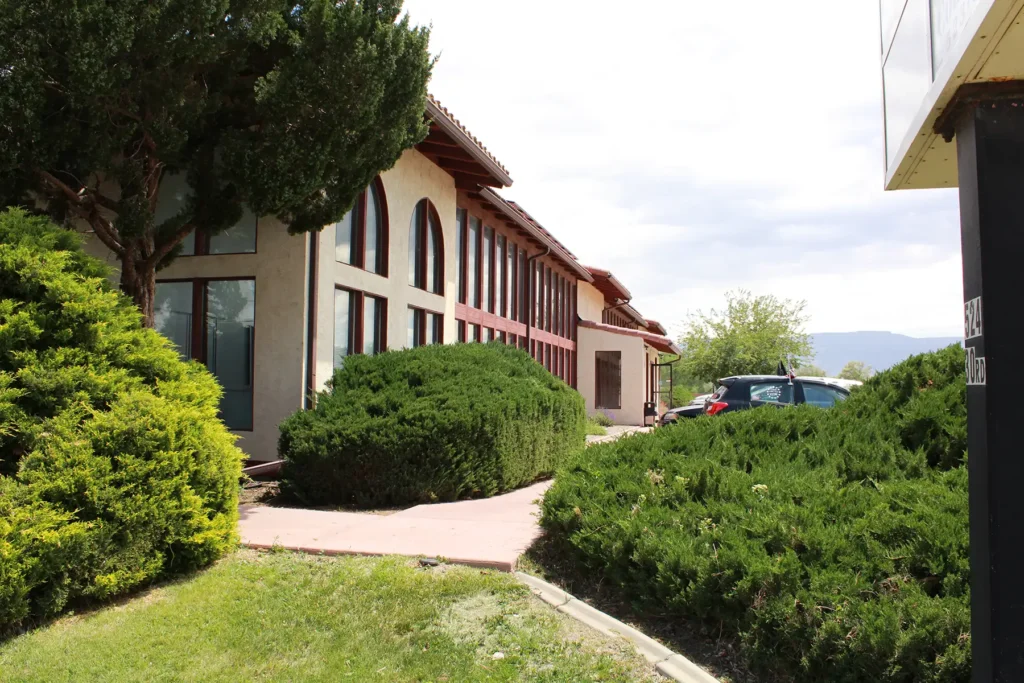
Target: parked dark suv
751, 391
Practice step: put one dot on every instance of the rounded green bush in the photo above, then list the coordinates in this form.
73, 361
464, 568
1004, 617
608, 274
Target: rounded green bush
114, 468
832, 543
434, 423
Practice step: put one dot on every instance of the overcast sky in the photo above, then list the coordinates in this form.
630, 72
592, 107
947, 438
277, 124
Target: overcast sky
697, 147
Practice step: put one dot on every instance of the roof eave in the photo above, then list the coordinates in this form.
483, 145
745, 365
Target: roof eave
499, 202
620, 291
469, 146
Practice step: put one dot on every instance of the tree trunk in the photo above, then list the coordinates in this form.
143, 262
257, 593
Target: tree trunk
139, 282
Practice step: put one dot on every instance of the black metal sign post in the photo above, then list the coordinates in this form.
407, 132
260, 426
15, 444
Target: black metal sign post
990, 148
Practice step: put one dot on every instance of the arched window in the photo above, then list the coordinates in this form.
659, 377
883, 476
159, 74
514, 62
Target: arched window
426, 249
361, 237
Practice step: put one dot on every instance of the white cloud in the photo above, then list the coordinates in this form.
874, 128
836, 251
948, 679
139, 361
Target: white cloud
673, 137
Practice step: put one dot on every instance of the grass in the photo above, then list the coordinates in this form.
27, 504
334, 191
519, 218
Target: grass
595, 429
283, 616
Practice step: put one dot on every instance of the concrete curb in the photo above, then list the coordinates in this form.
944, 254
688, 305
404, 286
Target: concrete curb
666, 662
497, 565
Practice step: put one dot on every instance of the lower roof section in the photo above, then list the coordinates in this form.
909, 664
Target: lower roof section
663, 344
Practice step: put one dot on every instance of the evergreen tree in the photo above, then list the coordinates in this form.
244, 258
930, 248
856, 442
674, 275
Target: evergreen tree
287, 107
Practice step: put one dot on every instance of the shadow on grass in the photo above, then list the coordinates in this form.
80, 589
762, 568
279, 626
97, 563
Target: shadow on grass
703, 644
84, 608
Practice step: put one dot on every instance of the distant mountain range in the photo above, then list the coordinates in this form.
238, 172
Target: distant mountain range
880, 350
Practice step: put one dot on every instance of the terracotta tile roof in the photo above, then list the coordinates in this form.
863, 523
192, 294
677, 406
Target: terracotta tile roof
608, 285
533, 228
663, 344
442, 116
656, 326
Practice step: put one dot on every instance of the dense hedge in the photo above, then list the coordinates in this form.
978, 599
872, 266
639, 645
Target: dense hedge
114, 469
434, 423
833, 543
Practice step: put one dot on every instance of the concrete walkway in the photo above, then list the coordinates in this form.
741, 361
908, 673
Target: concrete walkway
492, 532
615, 432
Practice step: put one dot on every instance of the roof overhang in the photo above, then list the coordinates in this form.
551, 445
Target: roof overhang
663, 344
452, 147
606, 283
531, 228
656, 327
635, 315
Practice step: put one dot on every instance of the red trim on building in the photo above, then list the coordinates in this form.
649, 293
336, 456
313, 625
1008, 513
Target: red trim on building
474, 316
663, 344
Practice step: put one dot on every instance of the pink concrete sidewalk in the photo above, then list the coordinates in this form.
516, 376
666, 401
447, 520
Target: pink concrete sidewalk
492, 532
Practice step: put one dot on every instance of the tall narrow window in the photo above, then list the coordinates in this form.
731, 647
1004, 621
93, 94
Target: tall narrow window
435, 328
556, 327
499, 276
608, 378
375, 252
548, 299
488, 276
539, 293
510, 279
172, 305
572, 319
360, 324
473, 261
344, 324
214, 322
360, 237
426, 249
435, 255
524, 295
562, 327
460, 257
415, 331
230, 327
373, 324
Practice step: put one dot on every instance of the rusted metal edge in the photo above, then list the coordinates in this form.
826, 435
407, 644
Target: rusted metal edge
971, 95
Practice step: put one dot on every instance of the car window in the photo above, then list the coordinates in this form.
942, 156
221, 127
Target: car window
822, 396
719, 392
776, 392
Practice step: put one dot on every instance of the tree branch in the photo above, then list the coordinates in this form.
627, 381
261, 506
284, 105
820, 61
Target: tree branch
60, 186
87, 206
106, 232
164, 249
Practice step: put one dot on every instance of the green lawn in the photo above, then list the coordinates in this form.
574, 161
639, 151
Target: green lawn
281, 616
594, 429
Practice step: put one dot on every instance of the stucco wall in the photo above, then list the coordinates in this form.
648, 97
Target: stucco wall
410, 180
589, 302
279, 268
589, 341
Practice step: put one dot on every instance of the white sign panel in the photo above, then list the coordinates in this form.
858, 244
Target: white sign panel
949, 17
972, 319
975, 368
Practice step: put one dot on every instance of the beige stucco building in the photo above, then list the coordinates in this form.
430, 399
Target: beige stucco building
431, 253
619, 367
